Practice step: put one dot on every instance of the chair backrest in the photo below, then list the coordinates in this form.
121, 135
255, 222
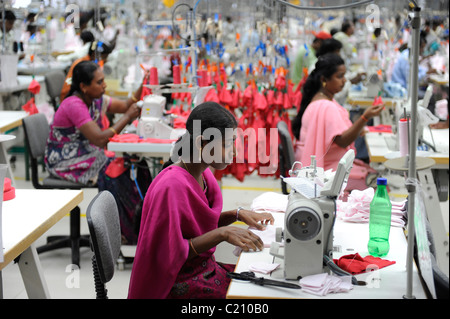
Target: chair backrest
36, 130
54, 81
287, 147
104, 227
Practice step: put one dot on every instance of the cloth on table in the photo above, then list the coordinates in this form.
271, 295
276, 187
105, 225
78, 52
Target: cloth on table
263, 267
357, 208
323, 284
355, 264
270, 202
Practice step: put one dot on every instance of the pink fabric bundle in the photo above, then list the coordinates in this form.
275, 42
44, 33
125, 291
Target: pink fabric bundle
323, 284
357, 208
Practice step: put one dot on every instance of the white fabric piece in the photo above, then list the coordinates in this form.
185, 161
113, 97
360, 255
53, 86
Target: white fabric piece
263, 267
270, 202
323, 284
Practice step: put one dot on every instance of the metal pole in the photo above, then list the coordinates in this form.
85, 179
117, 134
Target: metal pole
3, 27
414, 69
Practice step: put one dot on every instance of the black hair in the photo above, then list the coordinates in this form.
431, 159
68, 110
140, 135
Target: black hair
326, 66
83, 72
346, 25
329, 46
87, 36
207, 115
85, 16
101, 47
377, 32
9, 15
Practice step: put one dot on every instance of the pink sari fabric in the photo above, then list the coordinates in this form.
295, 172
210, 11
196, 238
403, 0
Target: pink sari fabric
322, 122
175, 209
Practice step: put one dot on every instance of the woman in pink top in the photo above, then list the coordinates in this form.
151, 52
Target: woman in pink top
182, 219
78, 136
323, 127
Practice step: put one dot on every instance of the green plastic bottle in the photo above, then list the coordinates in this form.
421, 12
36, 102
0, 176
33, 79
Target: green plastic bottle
380, 220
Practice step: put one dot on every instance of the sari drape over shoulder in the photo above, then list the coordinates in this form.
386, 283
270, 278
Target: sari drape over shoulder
175, 210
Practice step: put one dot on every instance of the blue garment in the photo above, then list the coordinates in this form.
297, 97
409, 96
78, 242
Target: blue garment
400, 73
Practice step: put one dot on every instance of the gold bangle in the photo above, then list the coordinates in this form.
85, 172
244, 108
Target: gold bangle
192, 246
113, 130
134, 98
364, 118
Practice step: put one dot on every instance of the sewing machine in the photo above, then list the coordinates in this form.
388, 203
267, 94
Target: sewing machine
152, 123
308, 231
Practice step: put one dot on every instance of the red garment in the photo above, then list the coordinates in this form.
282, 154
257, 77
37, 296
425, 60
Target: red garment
30, 107
355, 264
116, 167
34, 87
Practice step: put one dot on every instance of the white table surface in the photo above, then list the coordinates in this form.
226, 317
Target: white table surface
11, 119
379, 151
25, 218
30, 214
386, 283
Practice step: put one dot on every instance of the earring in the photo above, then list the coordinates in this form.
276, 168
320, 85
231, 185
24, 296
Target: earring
324, 84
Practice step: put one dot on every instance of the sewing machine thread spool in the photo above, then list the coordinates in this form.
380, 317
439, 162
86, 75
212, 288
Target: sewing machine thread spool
154, 76
202, 78
403, 141
176, 74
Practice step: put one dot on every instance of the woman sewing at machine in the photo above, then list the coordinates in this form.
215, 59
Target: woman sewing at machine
323, 127
78, 136
182, 219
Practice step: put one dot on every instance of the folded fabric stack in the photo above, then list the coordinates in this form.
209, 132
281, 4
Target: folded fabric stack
357, 208
324, 284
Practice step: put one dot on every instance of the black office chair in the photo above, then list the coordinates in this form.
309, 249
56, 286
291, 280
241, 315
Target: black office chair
285, 153
37, 130
54, 81
104, 227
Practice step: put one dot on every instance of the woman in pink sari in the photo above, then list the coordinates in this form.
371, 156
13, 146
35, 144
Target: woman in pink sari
323, 127
182, 219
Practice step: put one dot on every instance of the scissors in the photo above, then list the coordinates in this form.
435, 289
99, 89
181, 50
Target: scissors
261, 281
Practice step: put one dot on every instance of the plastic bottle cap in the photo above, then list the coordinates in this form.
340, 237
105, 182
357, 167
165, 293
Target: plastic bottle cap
381, 181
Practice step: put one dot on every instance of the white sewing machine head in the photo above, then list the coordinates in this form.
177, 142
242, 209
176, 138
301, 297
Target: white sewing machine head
151, 123
308, 232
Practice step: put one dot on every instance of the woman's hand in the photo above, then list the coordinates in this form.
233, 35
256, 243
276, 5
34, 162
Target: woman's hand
373, 111
255, 220
242, 238
133, 111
